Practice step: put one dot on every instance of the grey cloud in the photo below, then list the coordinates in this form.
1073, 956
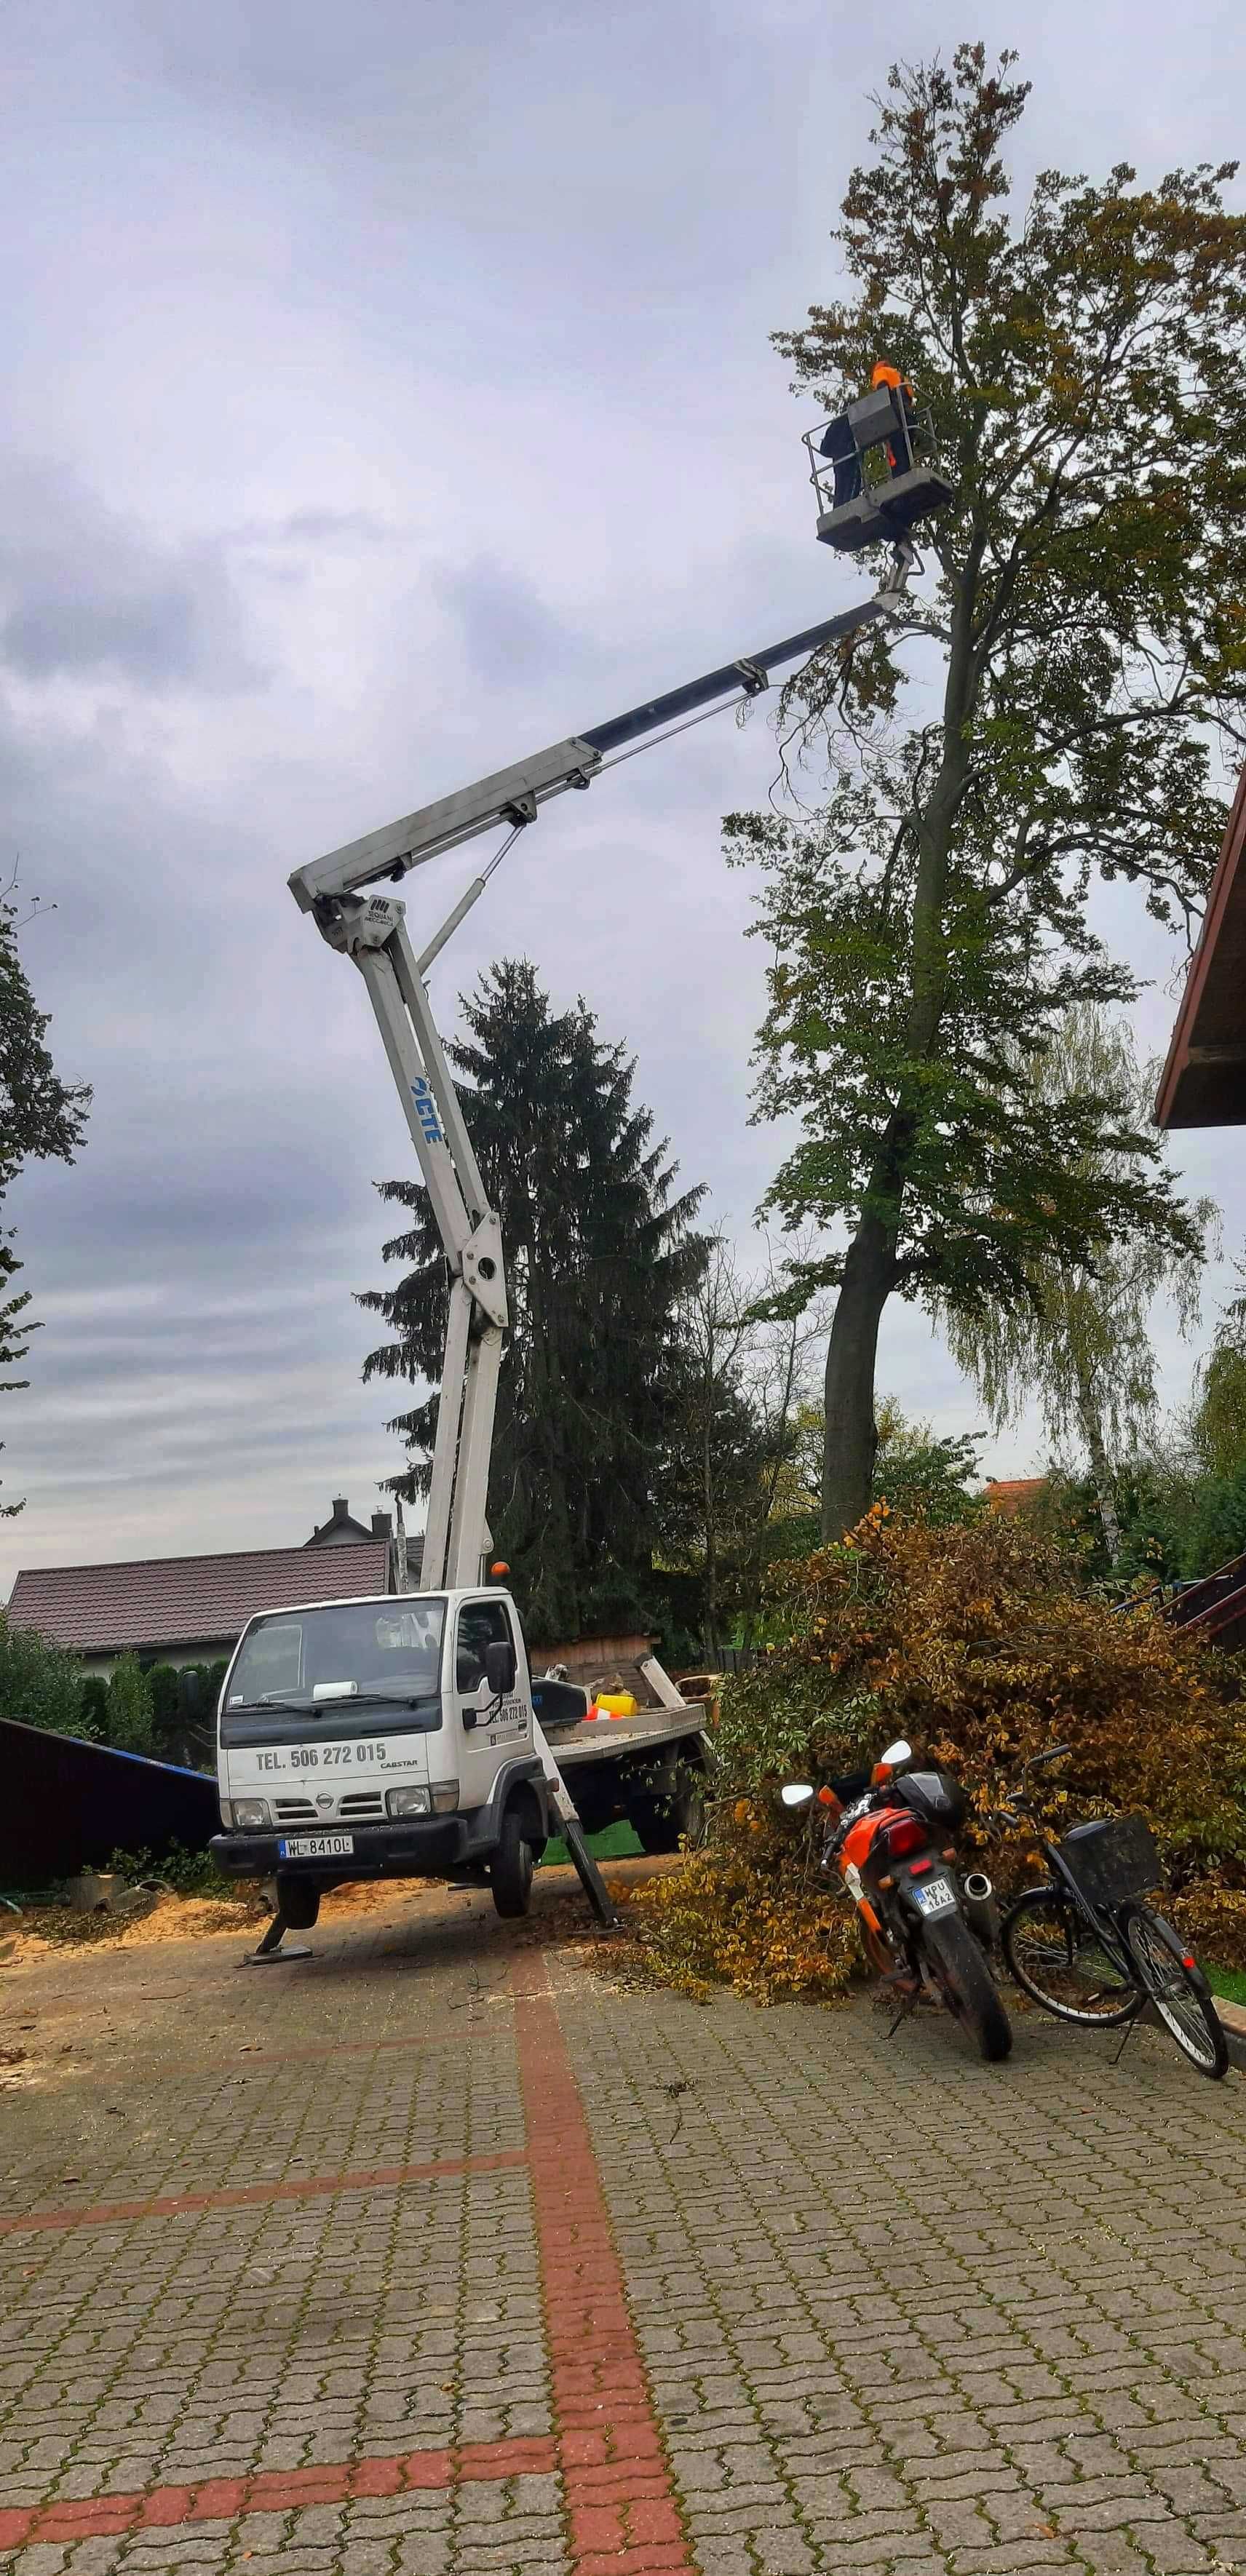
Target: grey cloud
507, 629
314, 526
85, 592
288, 52
318, 527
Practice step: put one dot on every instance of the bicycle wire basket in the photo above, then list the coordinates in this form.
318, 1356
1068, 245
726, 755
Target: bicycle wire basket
1112, 1859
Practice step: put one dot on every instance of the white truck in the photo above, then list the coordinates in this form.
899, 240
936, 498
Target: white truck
404, 1735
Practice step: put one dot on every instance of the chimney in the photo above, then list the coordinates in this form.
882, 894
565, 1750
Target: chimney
382, 1525
341, 1510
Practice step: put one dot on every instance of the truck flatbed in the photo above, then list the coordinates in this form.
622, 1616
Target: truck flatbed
604, 1739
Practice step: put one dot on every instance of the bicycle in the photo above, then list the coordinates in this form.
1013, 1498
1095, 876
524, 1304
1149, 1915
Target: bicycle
1087, 1948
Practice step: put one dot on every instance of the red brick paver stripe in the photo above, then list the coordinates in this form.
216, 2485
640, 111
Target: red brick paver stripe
620, 2500
274, 2491
250, 2194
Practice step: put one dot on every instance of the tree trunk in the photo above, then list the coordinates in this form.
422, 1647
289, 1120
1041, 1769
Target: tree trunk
870, 1270
710, 1594
1105, 1496
851, 1434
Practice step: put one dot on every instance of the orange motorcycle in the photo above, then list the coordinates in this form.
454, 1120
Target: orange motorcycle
927, 1924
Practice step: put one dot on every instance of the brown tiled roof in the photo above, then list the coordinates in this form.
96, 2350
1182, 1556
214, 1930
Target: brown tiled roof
187, 1600
1010, 1494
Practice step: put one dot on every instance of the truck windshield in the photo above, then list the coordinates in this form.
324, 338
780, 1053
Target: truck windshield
387, 1650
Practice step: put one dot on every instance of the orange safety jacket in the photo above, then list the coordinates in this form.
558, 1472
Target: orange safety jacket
887, 375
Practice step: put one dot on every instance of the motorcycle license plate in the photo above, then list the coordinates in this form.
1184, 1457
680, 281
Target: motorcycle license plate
938, 1896
316, 1847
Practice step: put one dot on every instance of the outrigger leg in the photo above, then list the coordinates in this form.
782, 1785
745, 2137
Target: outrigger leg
270, 1949
572, 1832
589, 1875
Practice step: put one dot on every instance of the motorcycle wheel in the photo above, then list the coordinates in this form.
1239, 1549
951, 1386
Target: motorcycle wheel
878, 1950
967, 1986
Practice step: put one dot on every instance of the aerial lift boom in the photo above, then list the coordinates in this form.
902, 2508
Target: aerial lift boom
371, 930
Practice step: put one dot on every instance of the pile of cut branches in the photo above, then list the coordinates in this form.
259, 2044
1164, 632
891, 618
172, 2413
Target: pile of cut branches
978, 1644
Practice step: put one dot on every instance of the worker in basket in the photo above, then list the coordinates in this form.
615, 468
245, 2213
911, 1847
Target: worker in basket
840, 446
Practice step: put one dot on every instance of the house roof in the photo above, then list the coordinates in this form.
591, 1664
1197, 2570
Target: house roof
1204, 1080
342, 1525
187, 1600
1010, 1494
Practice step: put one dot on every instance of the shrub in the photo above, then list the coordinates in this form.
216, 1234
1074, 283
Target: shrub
93, 1709
127, 1716
161, 1680
978, 1644
188, 1873
1214, 1919
40, 1684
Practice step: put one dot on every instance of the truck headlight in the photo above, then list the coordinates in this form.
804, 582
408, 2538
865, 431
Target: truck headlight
445, 1797
408, 1802
251, 1814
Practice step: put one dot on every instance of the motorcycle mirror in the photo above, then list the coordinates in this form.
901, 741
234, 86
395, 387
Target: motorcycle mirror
891, 1760
796, 1793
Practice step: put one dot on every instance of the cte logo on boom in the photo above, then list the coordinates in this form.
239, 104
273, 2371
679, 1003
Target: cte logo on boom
426, 1111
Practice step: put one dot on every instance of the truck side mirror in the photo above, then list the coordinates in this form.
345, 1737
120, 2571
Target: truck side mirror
190, 1696
501, 1667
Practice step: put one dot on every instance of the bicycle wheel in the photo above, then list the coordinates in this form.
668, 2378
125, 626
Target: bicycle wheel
1178, 1989
966, 1984
1058, 1959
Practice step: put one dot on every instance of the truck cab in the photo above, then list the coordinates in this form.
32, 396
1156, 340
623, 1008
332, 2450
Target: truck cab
390, 1737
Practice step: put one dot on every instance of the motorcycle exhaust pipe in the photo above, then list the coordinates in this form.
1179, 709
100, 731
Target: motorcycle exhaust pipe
981, 1910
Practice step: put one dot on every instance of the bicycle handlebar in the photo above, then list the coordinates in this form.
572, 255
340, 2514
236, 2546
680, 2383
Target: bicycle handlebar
1009, 1814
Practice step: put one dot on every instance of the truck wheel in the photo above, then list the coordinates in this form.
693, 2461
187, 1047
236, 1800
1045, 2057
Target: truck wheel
660, 1824
653, 1823
510, 1870
298, 1902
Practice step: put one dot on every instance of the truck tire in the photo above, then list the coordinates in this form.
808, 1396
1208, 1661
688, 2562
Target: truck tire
510, 1869
298, 1902
661, 1824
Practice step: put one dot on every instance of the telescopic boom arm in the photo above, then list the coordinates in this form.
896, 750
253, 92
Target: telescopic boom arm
371, 930
513, 795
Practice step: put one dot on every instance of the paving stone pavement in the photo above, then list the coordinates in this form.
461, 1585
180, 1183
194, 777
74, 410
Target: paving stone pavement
868, 2305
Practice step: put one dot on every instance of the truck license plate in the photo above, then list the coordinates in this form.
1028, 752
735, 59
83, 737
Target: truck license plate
316, 1847
936, 1897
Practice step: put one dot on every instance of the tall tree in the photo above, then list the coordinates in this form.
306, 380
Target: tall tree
933, 1476
41, 1118
1086, 370
1219, 1423
1080, 1340
599, 1250
744, 1379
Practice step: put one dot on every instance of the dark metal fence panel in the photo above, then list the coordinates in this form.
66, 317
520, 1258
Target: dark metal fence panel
66, 1805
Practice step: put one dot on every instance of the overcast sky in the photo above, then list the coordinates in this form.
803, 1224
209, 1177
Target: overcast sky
388, 394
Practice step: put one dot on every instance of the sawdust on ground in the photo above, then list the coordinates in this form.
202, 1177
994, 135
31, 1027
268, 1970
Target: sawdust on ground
167, 1916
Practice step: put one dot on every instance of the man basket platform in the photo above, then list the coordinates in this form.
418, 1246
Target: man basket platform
897, 485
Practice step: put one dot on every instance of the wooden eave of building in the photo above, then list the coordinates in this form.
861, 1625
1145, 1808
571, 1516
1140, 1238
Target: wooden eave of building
1204, 1079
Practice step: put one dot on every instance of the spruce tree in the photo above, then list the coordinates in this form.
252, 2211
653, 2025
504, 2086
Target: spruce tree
598, 1252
